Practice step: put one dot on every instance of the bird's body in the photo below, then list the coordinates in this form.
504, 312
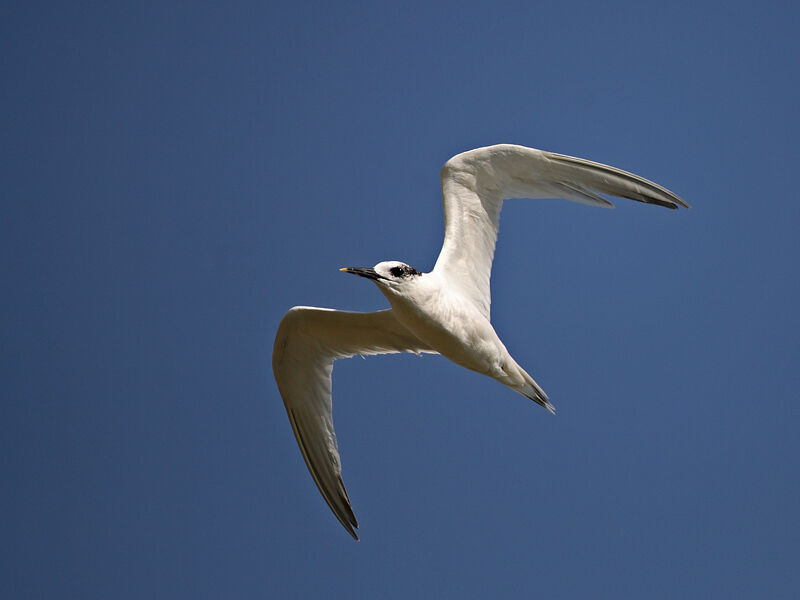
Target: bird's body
448, 322
446, 311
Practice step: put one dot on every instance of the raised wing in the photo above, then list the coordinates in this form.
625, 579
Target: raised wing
308, 341
475, 183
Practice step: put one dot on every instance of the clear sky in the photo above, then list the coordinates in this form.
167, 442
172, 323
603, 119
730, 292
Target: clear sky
175, 176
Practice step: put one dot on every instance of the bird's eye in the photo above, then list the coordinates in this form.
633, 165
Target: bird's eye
397, 271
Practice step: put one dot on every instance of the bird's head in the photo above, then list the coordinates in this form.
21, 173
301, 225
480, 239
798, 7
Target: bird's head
390, 274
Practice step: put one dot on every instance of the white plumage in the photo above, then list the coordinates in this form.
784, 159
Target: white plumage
445, 311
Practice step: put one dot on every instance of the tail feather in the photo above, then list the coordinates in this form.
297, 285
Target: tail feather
518, 380
535, 393
532, 390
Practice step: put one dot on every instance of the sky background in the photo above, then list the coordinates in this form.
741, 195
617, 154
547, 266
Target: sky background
175, 176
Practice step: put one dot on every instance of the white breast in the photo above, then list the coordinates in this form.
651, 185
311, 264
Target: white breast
450, 323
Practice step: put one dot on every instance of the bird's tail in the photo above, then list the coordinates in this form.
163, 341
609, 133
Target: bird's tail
532, 390
536, 394
515, 377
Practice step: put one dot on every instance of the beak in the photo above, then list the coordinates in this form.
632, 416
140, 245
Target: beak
363, 272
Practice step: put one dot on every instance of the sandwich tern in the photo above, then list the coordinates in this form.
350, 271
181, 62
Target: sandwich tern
442, 312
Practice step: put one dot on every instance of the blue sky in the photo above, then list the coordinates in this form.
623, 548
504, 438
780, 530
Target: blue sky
176, 176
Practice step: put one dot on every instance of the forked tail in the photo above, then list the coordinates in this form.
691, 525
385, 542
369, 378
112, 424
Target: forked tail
535, 393
527, 387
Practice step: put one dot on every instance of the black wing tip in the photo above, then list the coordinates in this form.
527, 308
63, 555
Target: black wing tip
347, 518
342, 510
348, 521
665, 203
344, 515
672, 201
352, 532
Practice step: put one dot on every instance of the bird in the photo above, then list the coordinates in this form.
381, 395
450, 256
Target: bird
445, 311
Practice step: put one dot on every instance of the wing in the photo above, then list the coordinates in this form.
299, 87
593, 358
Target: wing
308, 341
475, 183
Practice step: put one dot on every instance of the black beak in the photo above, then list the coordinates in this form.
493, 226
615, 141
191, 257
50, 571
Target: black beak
363, 272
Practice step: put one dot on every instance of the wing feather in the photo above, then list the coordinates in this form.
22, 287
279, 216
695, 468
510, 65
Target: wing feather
308, 341
475, 183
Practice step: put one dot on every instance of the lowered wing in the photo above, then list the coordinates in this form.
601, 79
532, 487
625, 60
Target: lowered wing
308, 341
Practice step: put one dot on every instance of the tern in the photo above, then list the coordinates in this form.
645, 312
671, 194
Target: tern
442, 312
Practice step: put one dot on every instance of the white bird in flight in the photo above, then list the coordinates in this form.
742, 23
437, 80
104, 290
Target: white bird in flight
442, 312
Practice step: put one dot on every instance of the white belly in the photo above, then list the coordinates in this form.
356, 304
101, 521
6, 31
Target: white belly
455, 330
